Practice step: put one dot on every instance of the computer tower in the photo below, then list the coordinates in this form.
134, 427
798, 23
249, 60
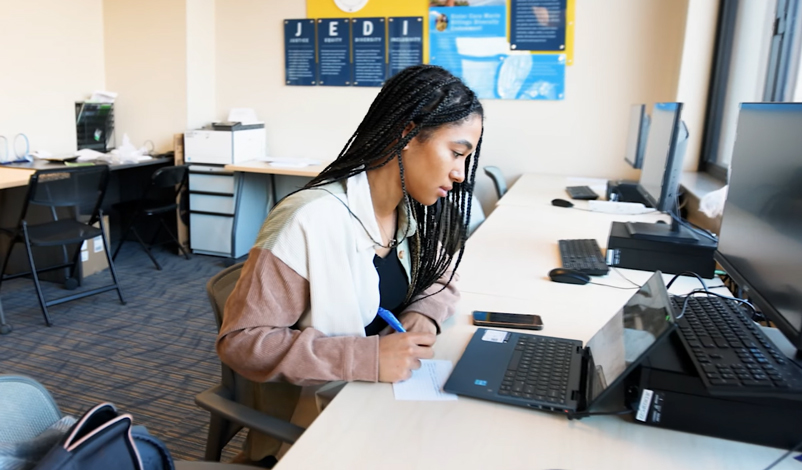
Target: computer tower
625, 191
666, 392
626, 251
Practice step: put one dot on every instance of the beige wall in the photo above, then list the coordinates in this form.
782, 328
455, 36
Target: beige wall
52, 56
694, 76
627, 51
146, 63
200, 63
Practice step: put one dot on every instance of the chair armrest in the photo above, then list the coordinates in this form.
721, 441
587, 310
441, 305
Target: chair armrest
217, 400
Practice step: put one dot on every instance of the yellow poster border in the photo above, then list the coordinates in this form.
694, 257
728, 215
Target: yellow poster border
386, 8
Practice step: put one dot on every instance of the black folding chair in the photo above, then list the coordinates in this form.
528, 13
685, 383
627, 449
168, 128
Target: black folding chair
159, 199
60, 209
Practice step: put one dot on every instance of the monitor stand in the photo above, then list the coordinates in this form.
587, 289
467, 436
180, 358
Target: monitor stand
660, 232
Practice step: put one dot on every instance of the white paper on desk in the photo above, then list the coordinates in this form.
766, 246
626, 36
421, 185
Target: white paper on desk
426, 383
88, 155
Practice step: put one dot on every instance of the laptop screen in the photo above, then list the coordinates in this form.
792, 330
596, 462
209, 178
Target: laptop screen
623, 342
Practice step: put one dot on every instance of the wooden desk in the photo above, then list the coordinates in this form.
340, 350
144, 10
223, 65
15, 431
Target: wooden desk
12, 178
255, 166
530, 188
266, 168
504, 269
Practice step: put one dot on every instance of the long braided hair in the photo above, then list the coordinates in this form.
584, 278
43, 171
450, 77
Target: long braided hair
428, 97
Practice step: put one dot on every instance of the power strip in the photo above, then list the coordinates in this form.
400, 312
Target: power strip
613, 207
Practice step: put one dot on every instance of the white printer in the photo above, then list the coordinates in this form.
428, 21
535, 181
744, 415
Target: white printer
225, 143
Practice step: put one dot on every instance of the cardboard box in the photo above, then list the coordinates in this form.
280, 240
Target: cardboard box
93, 257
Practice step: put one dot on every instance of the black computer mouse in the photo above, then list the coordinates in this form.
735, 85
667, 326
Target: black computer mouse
561, 203
568, 276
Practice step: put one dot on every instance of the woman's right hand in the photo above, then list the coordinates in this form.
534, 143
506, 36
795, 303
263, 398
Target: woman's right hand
400, 354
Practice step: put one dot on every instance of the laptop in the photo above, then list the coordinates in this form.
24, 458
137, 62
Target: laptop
558, 374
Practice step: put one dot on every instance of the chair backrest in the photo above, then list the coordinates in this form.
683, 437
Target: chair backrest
167, 182
477, 215
219, 288
498, 179
69, 192
26, 408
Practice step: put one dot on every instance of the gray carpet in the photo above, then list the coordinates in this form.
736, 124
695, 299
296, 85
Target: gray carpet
149, 357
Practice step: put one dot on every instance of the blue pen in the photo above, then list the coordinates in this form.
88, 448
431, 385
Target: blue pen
391, 320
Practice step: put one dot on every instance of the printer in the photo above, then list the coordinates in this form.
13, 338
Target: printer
224, 143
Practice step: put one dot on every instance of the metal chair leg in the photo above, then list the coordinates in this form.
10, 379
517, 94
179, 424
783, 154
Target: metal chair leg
147, 249
35, 276
175, 239
124, 235
110, 260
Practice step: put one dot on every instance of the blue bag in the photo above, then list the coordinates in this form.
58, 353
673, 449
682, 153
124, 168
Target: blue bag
104, 439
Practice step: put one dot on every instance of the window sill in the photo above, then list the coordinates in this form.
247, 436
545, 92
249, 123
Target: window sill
697, 185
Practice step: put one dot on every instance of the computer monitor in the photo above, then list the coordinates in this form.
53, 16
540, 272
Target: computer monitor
761, 230
660, 176
637, 135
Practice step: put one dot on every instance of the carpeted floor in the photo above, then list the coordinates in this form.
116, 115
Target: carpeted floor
149, 357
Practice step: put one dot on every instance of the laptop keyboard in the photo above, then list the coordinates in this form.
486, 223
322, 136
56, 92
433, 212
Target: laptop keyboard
583, 255
538, 369
730, 351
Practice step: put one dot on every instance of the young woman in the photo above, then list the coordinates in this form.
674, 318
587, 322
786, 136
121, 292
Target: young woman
383, 225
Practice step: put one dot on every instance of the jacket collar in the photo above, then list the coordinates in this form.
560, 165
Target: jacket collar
360, 202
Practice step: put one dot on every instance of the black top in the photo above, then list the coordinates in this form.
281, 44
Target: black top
393, 286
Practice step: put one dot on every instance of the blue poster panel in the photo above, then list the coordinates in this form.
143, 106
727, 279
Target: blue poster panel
299, 52
471, 42
406, 42
537, 25
334, 59
369, 45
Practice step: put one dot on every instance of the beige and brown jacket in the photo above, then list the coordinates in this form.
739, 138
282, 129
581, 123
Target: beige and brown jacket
309, 288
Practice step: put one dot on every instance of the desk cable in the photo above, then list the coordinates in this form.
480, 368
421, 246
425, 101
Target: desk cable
625, 278
614, 287
706, 292
782, 457
636, 285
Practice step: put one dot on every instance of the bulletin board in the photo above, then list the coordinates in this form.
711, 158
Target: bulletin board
374, 8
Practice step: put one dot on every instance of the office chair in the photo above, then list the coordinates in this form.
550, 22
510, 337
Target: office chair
28, 409
477, 215
60, 209
159, 198
232, 403
498, 179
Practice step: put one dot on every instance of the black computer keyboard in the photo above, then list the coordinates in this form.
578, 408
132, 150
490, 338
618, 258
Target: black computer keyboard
581, 192
730, 352
583, 255
538, 370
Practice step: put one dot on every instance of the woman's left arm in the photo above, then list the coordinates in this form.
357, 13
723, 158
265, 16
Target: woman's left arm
435, 306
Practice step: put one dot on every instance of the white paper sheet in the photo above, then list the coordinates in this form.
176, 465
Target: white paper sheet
426, 383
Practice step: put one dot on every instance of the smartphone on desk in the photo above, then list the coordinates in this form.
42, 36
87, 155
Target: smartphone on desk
508, 320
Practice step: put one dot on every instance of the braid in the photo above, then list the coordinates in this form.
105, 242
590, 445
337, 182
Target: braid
428, 97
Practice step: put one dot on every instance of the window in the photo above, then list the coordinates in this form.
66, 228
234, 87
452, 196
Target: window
757, 58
